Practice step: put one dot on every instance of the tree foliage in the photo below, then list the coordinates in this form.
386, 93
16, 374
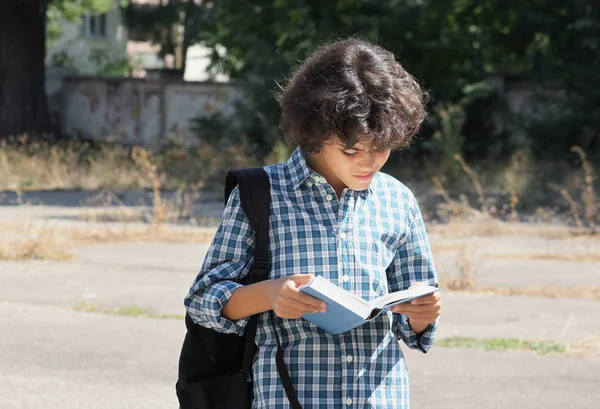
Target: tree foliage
452, 46
72, 10
172, 24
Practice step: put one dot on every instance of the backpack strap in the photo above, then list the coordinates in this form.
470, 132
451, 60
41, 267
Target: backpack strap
255, 198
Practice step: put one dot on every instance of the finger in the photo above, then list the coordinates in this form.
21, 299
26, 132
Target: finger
427, 299
430, 313
286, 311
422, 321
408, 308
301, 279
436, 312
295, 293
308, 300
298, 305
290, 312
422, 318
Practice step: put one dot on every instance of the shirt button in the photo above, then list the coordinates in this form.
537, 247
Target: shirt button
346, 277
329, 198
342, 235
309, 183
349, 358
348, 401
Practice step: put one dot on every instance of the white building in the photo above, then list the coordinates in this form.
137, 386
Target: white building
96, 44
99, 46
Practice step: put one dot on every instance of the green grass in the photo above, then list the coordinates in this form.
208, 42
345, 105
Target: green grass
503, 344
127, 310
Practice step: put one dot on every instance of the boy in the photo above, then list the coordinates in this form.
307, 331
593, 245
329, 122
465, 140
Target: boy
332, 214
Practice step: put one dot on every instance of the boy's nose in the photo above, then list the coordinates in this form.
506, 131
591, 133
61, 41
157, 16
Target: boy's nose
368, 163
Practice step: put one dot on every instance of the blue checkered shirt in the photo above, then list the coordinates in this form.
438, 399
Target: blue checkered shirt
368, 242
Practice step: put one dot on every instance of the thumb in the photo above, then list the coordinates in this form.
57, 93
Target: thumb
301, 279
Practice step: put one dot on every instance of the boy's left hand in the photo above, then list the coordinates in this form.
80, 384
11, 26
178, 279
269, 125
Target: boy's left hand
423, 310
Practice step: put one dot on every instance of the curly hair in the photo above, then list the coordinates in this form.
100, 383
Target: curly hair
354, 90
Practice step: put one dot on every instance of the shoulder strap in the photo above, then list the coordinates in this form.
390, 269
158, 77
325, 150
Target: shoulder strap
255, 198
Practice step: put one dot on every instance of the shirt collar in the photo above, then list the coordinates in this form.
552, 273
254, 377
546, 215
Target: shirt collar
298, 169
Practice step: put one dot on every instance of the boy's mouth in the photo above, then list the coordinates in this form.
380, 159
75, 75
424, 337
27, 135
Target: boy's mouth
364, 176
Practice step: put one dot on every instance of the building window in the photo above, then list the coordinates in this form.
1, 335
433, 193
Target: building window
94, 26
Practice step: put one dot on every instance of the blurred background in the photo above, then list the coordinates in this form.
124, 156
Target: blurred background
120, 118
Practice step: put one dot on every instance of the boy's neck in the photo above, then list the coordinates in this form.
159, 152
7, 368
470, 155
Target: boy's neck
320, 166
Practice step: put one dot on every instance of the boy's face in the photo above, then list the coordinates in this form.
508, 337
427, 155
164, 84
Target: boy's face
353, 168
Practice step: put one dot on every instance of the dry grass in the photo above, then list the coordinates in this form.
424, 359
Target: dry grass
574, 208
590, 256
39, 165
28, 164
486, 216
470, 255
591, 292
126, 310
590, 202
588, 346
475, 180
488, 226
43, 242
33, 243
467, 264
450, 248
37, 249
56, 242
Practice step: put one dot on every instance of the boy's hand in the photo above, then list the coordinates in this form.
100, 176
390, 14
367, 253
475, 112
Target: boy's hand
421, 311
287, 301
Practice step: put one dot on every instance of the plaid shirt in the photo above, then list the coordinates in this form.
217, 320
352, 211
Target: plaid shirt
369, 242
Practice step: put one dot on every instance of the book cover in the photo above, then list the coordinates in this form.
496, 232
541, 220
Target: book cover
346, 311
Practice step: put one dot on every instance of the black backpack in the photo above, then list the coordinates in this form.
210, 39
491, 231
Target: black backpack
215, 369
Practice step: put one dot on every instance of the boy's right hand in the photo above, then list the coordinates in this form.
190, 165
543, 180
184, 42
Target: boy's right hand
287, 301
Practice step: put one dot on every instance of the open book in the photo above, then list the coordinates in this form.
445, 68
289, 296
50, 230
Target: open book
346, 311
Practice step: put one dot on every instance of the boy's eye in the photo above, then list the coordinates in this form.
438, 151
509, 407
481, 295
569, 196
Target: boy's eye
350, 153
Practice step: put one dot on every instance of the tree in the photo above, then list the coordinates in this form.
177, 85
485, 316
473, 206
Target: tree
172, 24
23, 23
451, 46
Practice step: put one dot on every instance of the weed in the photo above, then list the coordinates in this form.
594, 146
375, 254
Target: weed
503, 344
588, 195
126, 310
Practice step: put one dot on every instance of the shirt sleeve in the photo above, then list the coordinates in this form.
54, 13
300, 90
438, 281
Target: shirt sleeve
226, 264
413, 262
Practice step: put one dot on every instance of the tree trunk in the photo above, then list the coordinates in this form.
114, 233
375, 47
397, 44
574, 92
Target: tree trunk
187, 32
23, 105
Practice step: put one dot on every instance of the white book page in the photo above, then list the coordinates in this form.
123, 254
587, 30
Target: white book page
399, 296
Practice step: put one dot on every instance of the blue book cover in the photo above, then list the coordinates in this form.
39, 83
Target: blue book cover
346, 311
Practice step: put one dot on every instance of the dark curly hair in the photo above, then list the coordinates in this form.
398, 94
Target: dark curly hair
355, 90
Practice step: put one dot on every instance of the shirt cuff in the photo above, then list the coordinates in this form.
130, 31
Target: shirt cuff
422, 342
211, 305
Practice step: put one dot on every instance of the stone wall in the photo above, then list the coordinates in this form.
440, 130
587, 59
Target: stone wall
136, 111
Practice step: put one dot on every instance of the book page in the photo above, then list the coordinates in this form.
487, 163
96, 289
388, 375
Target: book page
402, 296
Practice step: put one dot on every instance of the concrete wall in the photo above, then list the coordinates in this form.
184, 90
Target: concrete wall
137, 111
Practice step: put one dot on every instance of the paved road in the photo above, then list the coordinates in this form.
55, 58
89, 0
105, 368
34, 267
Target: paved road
53, 358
